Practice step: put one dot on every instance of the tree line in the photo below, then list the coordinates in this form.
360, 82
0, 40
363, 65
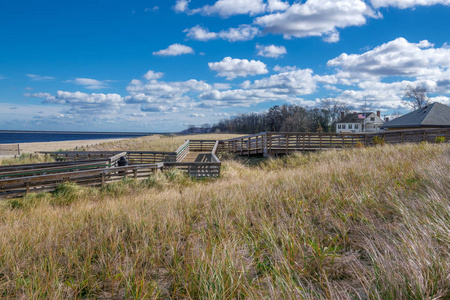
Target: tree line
286, 118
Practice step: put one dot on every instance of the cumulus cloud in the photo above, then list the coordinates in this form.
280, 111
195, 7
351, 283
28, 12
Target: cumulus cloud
91, 84
233, 67
82, 103
174, 50
200, 33
317, 18
241, 33
161, 96
181, 5
278, 68
35, 77
298, 82
271, 51
286, 86
396, 58
227, 8
153, 75
277, 5
407, 3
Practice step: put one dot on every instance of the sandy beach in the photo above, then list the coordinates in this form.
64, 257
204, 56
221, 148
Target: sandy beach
61, 145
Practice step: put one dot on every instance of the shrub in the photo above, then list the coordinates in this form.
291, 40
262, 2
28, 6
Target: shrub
440, 139
378, 140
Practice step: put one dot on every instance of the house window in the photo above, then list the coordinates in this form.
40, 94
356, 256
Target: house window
339, 126
356, 126
349, 126
343, 126
372, 119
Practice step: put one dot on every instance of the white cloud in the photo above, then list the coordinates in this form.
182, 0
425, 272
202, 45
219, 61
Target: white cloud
153, 75
82, 103
195, 115
317, 18
181, 5
241, 33
155, 8
35, 77
278, 68
284, 86
221, 86
200, 33
299, 82
277, 5
227, 8
160, 96
407, 3
396, 58
174, 50
271, 51
233, 67
91, 84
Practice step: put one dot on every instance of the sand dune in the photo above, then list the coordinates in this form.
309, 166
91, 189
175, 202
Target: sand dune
62, 145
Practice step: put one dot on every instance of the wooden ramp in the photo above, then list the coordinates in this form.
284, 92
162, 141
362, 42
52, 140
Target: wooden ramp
198, 157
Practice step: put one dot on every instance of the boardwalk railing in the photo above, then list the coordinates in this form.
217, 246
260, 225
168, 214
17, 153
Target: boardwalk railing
273, 143
182, 151
248, 145
9, 149
13, 187
35, 171
206, 165
201, 145
133, 157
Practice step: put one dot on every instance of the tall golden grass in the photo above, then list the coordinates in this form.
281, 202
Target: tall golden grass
25, 159
370, 223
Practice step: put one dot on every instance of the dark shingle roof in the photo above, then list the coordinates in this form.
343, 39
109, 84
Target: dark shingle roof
433, 115
353, 118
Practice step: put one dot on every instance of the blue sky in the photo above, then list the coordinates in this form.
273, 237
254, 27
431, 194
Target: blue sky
159, 65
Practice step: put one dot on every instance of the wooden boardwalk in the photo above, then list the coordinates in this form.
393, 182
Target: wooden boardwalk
198, 157
282, 143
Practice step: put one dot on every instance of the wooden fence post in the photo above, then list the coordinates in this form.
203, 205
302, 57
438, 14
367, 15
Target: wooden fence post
287, 143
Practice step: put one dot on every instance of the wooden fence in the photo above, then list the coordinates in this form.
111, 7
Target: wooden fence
9, 149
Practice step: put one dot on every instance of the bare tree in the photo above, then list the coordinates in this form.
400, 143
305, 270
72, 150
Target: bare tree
415, 97
331, 109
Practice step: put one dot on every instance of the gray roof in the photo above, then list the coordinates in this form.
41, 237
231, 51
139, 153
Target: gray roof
353, 118
433, 115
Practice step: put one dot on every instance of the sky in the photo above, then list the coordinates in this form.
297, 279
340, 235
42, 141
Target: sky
161, 65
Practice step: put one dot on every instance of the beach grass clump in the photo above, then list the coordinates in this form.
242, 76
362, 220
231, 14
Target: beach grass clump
364, 223
26, 158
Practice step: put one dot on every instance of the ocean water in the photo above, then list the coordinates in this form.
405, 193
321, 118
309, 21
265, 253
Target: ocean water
11, 137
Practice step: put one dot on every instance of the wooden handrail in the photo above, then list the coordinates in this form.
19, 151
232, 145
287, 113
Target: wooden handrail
245, 137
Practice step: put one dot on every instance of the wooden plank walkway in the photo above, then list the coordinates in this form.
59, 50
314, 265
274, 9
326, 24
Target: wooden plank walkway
198, 157
282, 143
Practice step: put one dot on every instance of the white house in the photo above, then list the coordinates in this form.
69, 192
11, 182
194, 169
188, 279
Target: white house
359, 122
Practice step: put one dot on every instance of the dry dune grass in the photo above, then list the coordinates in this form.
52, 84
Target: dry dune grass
157, 142
368, 223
